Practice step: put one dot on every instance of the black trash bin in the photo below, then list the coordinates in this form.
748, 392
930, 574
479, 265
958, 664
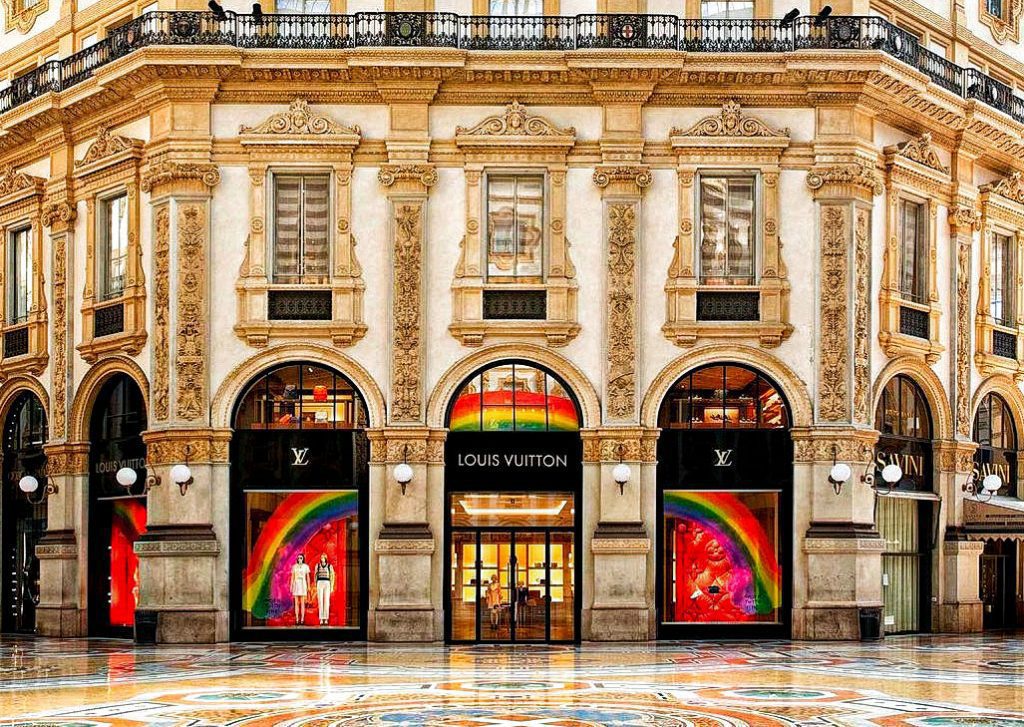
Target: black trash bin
870, 624
145, 627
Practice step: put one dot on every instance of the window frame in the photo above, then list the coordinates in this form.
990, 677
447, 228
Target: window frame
1004, 320
751, 3
922, 247
514, 173
13, 317
302, 172
103, 239
756, 225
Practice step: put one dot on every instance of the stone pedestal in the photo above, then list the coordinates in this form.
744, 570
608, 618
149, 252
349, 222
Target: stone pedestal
404, 610
620, 610
961, 609
57, 613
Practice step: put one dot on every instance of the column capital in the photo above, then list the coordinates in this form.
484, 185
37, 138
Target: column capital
407, 178
67, 458
955, 455
842, 444
175, 446
844, 179
413, 445
166, 176
612, 444
623, 180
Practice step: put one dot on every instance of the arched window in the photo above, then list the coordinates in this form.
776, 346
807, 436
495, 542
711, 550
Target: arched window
514, 397
723, 397
996, 436
301, 396
903, 411
25, 429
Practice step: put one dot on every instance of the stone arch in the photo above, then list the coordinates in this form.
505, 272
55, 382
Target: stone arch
241, 375
575, 379
15, 386
922, 375
95, 377
792, 387
1004, 386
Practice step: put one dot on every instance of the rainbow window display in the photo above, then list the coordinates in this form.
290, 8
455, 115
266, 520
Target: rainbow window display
513, 397
722, 557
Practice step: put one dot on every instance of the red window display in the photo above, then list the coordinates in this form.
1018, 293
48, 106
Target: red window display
128, 522
722, 563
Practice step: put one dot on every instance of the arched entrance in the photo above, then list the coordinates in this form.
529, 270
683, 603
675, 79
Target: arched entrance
513, 481
999, 577
117, 513
725, 481
905, 513
24, 521
299, 493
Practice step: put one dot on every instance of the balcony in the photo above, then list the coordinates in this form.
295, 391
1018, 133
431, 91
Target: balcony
447, 30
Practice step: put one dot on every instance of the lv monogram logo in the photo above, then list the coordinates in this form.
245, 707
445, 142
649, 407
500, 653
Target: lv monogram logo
300, 457
724, 458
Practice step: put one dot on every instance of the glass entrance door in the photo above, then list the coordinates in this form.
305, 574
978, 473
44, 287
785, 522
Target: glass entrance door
512, 586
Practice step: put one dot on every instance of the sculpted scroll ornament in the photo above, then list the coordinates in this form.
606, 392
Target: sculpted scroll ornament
862, 315
58, 421
640, 176
515, 121
922, 151
1012, 187
833, 367
621, 311
107, 145
406, 358
191, 353
55, 213
161, 312
854, 174
963, 338
12, 181
164, 172
425, 174
731, 122
298, 120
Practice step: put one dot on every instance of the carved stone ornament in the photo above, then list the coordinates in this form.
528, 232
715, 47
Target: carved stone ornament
298, 120
423, 173
1006, 28
516, 121
62, 212
163, 172
161, 312
58, 377
1012, 187
733, 123
621, 311
854, 174
12, 181
21, 18
833, 370
191, 353
407, 351
963, 338
965, 216
105, 146
640, 176
922, 151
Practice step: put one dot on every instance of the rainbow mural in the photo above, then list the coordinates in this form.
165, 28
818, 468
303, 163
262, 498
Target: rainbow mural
296, 521
127, 523
528, 413
753, 580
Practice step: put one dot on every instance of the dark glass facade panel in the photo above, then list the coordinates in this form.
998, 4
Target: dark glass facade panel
723, 397
300, 396
513, 397
996, 436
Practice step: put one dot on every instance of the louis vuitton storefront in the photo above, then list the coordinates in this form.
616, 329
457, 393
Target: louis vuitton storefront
299, 491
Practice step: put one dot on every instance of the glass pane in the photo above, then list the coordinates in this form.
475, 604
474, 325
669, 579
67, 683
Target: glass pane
713, 247
499, 384
115, 230
722, 557
529, 227
283, 398
316, 217
301, 559
562, 416
530, 401
465, 412
997, 425
676, 411
512, 509
1003, 303
562, 572
773, 408
708, 392
726, 9
1009, 428
287, 219
320, 399
466, 592
520, 8
727, 219
532, 586
318, 405
515, 213
500, 227
128, 523
899, 528
741, 394
913, 251
983, 423
741, 220
21, 274
497, 576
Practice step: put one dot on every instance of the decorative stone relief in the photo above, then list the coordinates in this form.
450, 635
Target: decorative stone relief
833, 368
424, 174
1005, 29
962, 413
862, 317
922, 151
107, 145
732, 122
406, 363
1012, 187
161, 311
515, 121
21, 18
854, 174
621, 310
163, 172
298, 120
59, 216
191, 350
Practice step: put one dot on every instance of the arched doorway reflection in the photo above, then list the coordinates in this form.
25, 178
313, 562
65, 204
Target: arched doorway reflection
24, 520
725, 476
513, 479
905, 512
299, 493
117, 513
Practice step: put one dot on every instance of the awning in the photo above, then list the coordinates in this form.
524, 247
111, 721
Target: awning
1000, 517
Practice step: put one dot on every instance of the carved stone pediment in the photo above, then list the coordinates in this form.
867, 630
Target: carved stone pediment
1012, 187
299, 121
852, 174
515, 121
107, 145
733, 123
920, 150
12, 182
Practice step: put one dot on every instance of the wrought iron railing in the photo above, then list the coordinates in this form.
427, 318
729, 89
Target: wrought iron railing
447, 30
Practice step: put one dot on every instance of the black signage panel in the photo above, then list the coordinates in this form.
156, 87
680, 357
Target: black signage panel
514, 460
724, 458
109, 456
912, 455
1000, 462
299, 459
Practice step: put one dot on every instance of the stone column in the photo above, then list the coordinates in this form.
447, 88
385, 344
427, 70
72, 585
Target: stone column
956, 599
405, 591
838, 563
183, 556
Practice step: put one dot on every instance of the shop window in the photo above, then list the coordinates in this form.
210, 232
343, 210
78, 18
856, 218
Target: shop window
515, 229
513, 397
113, 248
903, 420
913, 251
20, 275
514, 280
996, 436
726, 9
301, 228
301, 397
723, 397
722, 555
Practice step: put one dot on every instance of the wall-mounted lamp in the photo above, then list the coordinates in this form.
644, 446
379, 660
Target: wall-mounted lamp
622, 472
986, 489
841, 473
29, 485
181, 474
403, 472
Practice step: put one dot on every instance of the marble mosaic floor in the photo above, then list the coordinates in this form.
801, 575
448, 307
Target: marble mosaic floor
932, 681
